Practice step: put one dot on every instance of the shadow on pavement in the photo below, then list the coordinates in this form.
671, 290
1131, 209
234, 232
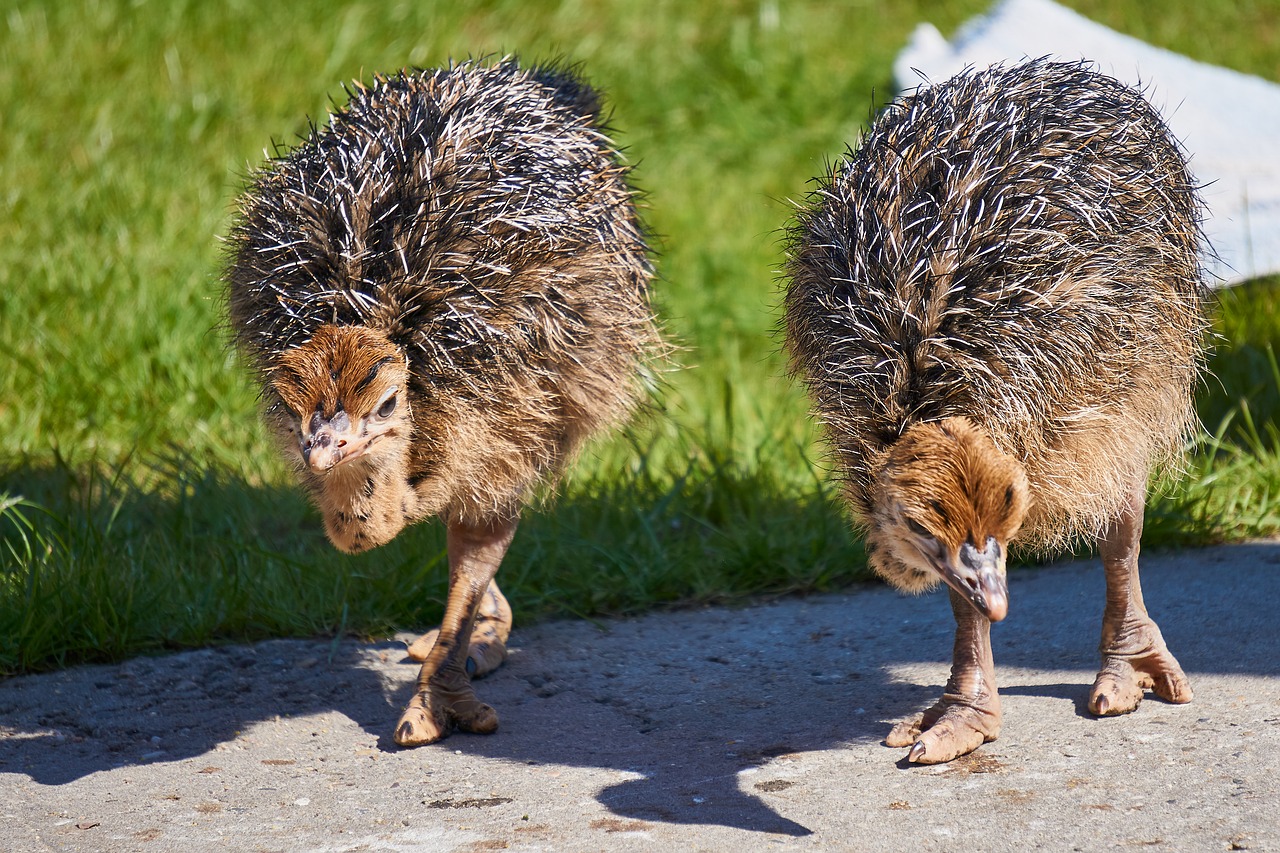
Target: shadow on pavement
692, 703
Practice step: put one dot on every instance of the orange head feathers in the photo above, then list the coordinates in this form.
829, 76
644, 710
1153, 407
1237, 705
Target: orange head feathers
946, 503
346, 390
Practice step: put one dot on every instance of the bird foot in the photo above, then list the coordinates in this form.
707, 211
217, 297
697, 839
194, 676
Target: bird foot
948, 730
1137, 661
488, 645
449, 703
486, 653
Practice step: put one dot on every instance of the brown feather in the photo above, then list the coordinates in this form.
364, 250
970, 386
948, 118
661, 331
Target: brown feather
949, 477
1017, 246
469, 229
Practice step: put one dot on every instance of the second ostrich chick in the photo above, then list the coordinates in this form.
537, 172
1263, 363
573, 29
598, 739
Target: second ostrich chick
444, 294
996, 304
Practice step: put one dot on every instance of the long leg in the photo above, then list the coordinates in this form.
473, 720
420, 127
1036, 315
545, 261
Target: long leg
488, 646
968, 714
1134, 655
445, 697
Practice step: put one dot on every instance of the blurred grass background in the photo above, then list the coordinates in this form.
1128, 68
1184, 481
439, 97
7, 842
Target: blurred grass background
141, 504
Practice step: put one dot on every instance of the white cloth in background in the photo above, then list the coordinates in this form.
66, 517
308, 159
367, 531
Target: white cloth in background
1228, 122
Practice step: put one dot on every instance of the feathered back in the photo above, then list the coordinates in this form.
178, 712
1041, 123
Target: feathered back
479, 218
1017, 245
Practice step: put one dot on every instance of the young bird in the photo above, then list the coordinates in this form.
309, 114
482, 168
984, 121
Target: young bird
996, 305
444, 293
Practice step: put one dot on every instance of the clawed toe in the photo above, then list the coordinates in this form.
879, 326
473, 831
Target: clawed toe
950, 737
960, 729
1119, 687
431, 718
1117, 690
905, 733
420, 725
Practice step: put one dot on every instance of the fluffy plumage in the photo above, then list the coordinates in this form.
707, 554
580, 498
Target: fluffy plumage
996, 305
478, 218
1018, 247
444, 292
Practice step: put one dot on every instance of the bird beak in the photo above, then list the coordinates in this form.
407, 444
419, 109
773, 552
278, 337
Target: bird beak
979, 576
329, 443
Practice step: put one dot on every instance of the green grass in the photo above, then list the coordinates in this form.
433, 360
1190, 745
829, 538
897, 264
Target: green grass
145, 508
1232, 490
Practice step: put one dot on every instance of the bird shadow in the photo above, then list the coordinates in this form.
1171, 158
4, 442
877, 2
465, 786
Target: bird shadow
700, 711
629, 699
689, 746
1074, 693
702, 734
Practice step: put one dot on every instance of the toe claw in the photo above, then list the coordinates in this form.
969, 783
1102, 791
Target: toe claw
950, 729
1135, 659
417, 726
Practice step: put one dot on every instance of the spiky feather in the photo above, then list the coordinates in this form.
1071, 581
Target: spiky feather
1018, 245
479, 218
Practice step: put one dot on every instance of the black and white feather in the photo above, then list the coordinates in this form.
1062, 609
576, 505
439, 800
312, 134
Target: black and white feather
479, 218
1018, 245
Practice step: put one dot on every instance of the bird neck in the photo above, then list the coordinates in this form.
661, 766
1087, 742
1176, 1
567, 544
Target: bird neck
365, 503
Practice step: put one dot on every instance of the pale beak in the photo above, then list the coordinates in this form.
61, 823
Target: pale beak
328, 443
979, 576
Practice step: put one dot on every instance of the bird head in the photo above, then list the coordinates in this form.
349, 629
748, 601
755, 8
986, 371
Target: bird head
945, 505
346, 392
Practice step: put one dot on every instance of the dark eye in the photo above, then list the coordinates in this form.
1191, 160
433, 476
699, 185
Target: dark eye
917, 528
388, 406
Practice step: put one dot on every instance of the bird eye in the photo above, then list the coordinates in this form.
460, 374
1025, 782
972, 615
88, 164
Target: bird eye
388, 406
917, 528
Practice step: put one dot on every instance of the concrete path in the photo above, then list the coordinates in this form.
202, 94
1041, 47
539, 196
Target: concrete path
757, 728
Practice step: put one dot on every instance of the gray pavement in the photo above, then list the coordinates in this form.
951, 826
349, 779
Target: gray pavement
755, 728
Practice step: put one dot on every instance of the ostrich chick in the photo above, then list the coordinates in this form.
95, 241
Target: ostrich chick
996, 306
444, 293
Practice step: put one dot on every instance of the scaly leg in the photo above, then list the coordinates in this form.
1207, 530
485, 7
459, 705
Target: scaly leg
1134, 656
488, 647
445, 697
968, 714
